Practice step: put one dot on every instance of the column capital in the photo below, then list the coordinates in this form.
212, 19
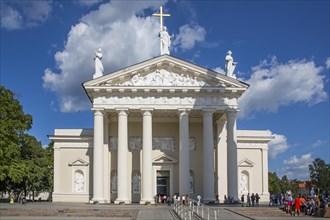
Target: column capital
208, 112
122, 111
183, 112
98, 113
98, 110
147, 111
231, 112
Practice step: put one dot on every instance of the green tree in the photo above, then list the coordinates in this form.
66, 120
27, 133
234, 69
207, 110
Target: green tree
50, 158
294, 186
13, 123
25, 164
320, 174
274, 184
35, 158
284, 182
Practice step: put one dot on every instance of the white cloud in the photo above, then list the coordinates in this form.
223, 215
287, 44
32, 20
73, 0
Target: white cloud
273, 84
277, 146
327, 63
24, 14
189, 35
319, 143
125, 39
297, 168
219, 70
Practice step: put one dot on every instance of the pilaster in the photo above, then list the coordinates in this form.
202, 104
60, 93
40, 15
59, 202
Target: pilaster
56, 168
265, 171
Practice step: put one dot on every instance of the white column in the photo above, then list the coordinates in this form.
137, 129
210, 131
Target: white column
122, 167
147, 195
265, 171
222, 158
184, 165
232, 154
208, 156
98, 193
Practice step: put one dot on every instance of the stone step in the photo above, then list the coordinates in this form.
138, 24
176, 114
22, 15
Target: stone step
260, 212
127, 213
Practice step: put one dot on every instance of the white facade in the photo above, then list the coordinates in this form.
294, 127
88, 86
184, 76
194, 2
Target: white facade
163, 126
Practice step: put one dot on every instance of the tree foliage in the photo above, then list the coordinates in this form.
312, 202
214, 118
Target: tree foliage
320, 174
274, 184
24, 164
277, 185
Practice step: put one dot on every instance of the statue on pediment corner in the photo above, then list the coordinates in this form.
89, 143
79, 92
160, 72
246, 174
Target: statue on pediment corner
98, 63
230, 64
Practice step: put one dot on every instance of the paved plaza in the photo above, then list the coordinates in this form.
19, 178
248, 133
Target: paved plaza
72, 211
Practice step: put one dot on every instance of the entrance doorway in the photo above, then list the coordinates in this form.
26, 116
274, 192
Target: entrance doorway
163, 182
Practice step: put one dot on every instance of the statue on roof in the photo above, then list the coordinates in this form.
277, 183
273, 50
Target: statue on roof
98, 63
230, 64
165, 39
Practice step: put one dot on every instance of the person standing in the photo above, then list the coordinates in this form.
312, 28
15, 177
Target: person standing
303, 205
253, 198
257, 199
248, 198
242, 200
199, 200
183, 200
168, 200
297, 206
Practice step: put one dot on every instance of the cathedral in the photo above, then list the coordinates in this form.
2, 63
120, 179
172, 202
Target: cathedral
164, 126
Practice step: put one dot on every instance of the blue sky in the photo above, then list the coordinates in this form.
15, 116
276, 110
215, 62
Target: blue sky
282, 49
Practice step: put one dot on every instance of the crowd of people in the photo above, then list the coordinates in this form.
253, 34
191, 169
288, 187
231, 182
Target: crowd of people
166, 199
162, 199
251, 200
300, 204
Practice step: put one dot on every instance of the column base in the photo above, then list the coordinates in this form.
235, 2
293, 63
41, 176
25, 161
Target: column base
147, 201
122, 201
233, 199
97, 201
209, 201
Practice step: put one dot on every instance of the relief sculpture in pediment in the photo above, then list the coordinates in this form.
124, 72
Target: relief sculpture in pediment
163, 78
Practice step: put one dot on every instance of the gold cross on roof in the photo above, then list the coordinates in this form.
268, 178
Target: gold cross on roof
161, 15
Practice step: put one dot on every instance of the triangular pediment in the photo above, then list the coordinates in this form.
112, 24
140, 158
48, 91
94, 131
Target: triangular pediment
245, 163
166, 72
78, 162
163, 158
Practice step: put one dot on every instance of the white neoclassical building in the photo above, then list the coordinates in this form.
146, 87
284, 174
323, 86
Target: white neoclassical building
162, 126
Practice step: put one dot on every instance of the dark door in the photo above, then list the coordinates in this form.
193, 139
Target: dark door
162, 185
